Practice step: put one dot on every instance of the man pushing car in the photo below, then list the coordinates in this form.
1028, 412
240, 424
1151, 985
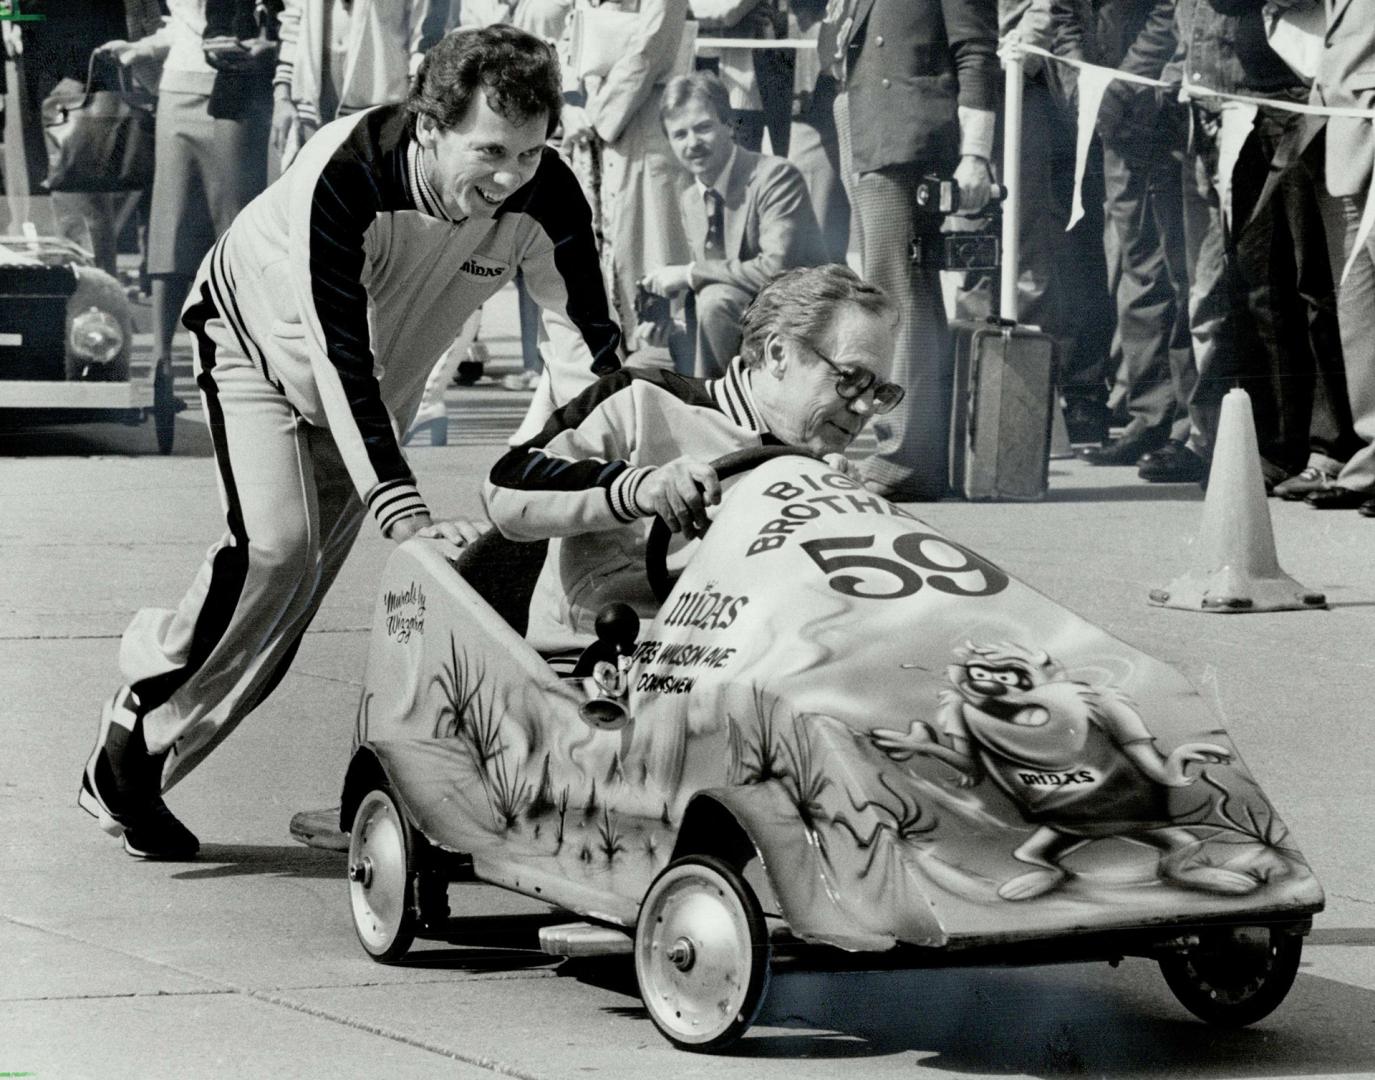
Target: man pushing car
813, 367
315, 320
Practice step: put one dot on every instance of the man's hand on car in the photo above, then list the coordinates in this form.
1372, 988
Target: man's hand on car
680, 493
843, 465
458, 533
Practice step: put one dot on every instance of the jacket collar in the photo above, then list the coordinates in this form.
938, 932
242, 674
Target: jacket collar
419, 188
735, 398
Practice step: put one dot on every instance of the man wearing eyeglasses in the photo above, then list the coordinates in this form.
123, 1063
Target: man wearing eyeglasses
813, 368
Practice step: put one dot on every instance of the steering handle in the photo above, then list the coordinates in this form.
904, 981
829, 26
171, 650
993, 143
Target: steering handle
726, 466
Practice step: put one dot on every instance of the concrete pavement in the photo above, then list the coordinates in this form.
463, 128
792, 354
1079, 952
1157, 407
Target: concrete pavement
245, 963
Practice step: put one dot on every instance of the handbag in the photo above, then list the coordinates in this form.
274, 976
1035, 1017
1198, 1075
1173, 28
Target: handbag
101, 140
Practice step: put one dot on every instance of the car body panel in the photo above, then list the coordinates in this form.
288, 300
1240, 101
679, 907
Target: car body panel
818, 641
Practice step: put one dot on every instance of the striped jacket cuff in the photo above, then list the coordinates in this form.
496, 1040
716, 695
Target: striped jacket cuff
621, 494
394, 500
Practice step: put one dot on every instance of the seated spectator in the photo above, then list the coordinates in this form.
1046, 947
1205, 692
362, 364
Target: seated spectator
812, 370
748, 217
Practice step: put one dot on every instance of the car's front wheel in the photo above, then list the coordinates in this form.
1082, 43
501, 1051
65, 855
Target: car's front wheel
701, 953
1235, 976
383, 878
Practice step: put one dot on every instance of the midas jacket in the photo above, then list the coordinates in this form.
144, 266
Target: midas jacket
344, 282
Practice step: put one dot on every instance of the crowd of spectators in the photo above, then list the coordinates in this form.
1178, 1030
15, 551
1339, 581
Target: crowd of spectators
1219, 244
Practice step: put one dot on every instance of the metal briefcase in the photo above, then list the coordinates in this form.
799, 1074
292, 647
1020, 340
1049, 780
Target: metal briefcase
1001, 410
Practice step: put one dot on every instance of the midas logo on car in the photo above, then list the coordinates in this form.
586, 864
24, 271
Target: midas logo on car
707, 610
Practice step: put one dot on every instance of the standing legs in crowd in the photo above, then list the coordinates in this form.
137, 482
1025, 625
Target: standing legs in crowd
911, 461
1260, 297
814, 147
207, 170
1143, 204
1062, 283
1283, 264
1355, 483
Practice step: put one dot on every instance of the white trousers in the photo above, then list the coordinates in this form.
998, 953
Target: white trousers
291, 514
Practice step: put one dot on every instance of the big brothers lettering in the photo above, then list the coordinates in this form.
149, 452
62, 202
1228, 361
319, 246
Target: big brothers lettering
877, 563
922, 558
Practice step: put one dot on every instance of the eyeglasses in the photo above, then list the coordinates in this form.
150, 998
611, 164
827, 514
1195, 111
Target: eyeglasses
853, 383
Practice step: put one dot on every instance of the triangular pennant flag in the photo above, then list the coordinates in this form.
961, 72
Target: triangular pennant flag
1093, 81
1238, 121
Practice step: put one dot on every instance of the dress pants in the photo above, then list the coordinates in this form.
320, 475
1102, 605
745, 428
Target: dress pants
291, 514
1061, 276
814, 148
1356, 315
1257, 312
718, 309
911, 460
1284, 260
1144, 211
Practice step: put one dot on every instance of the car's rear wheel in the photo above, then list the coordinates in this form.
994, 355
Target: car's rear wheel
701, 954
383, 878
1235, 976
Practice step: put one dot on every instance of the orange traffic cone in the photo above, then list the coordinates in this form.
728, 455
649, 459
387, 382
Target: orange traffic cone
1234, 563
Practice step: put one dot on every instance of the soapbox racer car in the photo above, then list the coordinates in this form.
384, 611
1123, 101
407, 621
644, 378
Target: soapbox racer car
841, 729
66, 336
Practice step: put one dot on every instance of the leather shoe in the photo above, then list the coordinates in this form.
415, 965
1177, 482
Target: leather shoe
1173, 463
1086, 421
1124, 451
1367, 508
1338, 498
1304, 484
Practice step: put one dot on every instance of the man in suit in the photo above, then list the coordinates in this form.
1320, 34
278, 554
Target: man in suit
921, 85
748, 217
1344, 81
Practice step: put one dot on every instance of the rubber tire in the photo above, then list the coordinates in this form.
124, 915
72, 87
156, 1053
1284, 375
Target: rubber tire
164, 411
404, 937
1189, 975
758, 982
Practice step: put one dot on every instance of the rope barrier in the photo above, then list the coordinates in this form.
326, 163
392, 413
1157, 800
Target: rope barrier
1191, 91
1095, 78
795, 44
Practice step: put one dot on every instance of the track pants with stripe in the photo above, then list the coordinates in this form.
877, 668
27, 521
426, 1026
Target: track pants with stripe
292, 515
